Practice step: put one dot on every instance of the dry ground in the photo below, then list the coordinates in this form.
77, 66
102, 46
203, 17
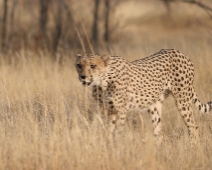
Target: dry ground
49, 121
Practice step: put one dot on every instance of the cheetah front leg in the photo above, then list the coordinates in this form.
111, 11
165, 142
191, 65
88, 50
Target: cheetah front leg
155, 111
117, 122
112, 124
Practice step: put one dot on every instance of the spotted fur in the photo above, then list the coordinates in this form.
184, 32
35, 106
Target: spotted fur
123, 86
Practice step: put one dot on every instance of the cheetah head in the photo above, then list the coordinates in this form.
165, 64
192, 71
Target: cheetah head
91, 68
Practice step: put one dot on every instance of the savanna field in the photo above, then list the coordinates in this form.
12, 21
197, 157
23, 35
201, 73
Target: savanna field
48, 120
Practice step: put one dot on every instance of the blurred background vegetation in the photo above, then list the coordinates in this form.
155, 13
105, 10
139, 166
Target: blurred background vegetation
56, 26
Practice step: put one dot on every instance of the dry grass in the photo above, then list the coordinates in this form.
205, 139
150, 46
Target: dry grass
49, 121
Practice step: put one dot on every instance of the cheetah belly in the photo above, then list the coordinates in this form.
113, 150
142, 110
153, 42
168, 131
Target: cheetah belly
138, 104
144, 97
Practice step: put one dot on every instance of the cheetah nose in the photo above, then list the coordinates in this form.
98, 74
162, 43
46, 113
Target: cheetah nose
82, 77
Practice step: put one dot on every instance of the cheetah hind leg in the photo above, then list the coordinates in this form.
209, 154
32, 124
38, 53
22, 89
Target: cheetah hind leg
186, 112
155, 111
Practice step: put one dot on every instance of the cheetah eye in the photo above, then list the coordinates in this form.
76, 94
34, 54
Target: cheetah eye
79, 65
93, 65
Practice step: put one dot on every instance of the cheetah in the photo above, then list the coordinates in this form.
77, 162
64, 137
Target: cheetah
122, 86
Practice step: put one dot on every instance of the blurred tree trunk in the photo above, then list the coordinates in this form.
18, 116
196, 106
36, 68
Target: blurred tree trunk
168, 9
43, 16
69, 26
58, 28
42, 36
4, 26
107, 14
68, 12
10, 39
95, 30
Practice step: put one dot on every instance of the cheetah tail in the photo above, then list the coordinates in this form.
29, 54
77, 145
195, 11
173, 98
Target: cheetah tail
203, 108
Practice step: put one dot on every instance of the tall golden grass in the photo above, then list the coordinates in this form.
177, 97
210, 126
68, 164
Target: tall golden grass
49, 121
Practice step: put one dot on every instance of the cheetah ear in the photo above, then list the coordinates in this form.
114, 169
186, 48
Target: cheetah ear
106, 58
79, 55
